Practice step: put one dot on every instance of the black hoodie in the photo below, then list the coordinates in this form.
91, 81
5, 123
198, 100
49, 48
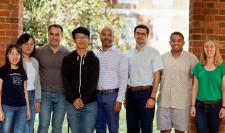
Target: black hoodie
80, 76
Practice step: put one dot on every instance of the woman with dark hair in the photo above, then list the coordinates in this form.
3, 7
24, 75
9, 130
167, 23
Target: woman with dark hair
31, 66
14, 104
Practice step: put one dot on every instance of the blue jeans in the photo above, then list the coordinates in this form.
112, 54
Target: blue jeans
52, 104
137, 116
82, 121
30, 124
106, 113
15, 117
207, 117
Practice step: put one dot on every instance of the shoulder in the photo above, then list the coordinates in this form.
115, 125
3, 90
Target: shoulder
34, 60
65, 50
164, 55
152, 51
190, 55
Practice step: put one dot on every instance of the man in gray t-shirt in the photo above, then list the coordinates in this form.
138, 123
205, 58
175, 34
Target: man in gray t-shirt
50, 58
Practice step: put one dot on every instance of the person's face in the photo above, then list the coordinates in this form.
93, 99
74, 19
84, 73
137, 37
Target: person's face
141, 36
176, 43
54, 36
28, 47
14, 57
209, 49
107, 37
81, 41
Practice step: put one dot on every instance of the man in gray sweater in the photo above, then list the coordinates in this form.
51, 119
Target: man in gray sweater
50, 57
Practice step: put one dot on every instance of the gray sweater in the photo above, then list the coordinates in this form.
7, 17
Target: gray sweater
37, 84
50, 68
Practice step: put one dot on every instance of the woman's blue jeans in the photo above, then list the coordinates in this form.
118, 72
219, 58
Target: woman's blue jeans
207, 117
14, 117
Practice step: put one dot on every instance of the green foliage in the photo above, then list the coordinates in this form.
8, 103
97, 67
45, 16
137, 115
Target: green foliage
93, 14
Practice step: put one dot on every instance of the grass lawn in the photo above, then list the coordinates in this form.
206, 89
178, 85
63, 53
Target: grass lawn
123, 128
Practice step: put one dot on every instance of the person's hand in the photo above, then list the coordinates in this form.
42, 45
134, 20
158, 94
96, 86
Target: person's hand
37, 107
193, 111
117, 106
28, 114
222, 112
150, 103
1, 115
78, 104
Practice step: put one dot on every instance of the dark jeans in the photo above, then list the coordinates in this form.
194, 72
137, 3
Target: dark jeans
138, 117
207, 117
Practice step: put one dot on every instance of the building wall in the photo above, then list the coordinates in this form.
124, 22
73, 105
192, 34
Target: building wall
206, 21
11, 23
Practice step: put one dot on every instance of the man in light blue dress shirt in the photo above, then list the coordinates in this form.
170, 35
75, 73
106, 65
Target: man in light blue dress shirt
144, 76
112, 83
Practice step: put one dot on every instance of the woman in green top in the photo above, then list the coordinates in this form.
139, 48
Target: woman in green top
208, 91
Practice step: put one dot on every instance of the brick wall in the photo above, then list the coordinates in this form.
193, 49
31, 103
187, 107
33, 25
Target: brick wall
11, 23
206, 20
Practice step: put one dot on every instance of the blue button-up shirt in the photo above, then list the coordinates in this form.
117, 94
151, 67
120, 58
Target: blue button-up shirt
142, 64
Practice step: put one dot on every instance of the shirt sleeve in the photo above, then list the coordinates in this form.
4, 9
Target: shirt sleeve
195, 70
223, 69
123, 77
157, 62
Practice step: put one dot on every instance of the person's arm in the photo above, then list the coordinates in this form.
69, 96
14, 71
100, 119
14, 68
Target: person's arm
155, 84
66, 76
92, 80
27, 100
1, 111
222, 111
123, 78
37, 89
194, 95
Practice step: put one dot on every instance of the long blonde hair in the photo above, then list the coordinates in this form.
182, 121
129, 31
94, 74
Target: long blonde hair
217, 57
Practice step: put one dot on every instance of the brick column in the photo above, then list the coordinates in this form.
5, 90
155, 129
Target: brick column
207, 20
11, 24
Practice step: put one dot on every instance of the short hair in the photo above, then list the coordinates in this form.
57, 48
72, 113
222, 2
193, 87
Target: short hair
141, 26
56, 26
24, 38
82, 30
177, 33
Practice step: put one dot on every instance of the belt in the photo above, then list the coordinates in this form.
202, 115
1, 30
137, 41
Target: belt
101, 92
139, 88
209, 102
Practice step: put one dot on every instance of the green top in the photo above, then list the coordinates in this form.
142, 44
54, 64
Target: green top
209, 82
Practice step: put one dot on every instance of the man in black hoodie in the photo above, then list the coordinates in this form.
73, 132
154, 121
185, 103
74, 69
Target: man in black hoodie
80, 71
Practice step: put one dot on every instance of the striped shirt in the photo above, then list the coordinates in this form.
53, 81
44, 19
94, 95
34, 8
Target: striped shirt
113, 71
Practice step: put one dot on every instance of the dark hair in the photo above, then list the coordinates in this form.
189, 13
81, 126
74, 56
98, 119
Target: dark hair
177, 33
56, 26
7, 62
24, 38
141, 26
82, 30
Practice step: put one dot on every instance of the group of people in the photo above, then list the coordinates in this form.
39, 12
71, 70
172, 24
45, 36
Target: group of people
91, 87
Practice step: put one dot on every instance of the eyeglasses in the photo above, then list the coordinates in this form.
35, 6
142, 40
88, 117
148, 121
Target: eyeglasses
81, 37
140, 33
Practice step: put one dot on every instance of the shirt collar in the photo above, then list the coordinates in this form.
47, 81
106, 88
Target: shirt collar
110, 49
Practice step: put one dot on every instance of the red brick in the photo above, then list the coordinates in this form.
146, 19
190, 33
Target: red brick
4, 13
12, 20
220, 18
210, 11
4, 26
4, 1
